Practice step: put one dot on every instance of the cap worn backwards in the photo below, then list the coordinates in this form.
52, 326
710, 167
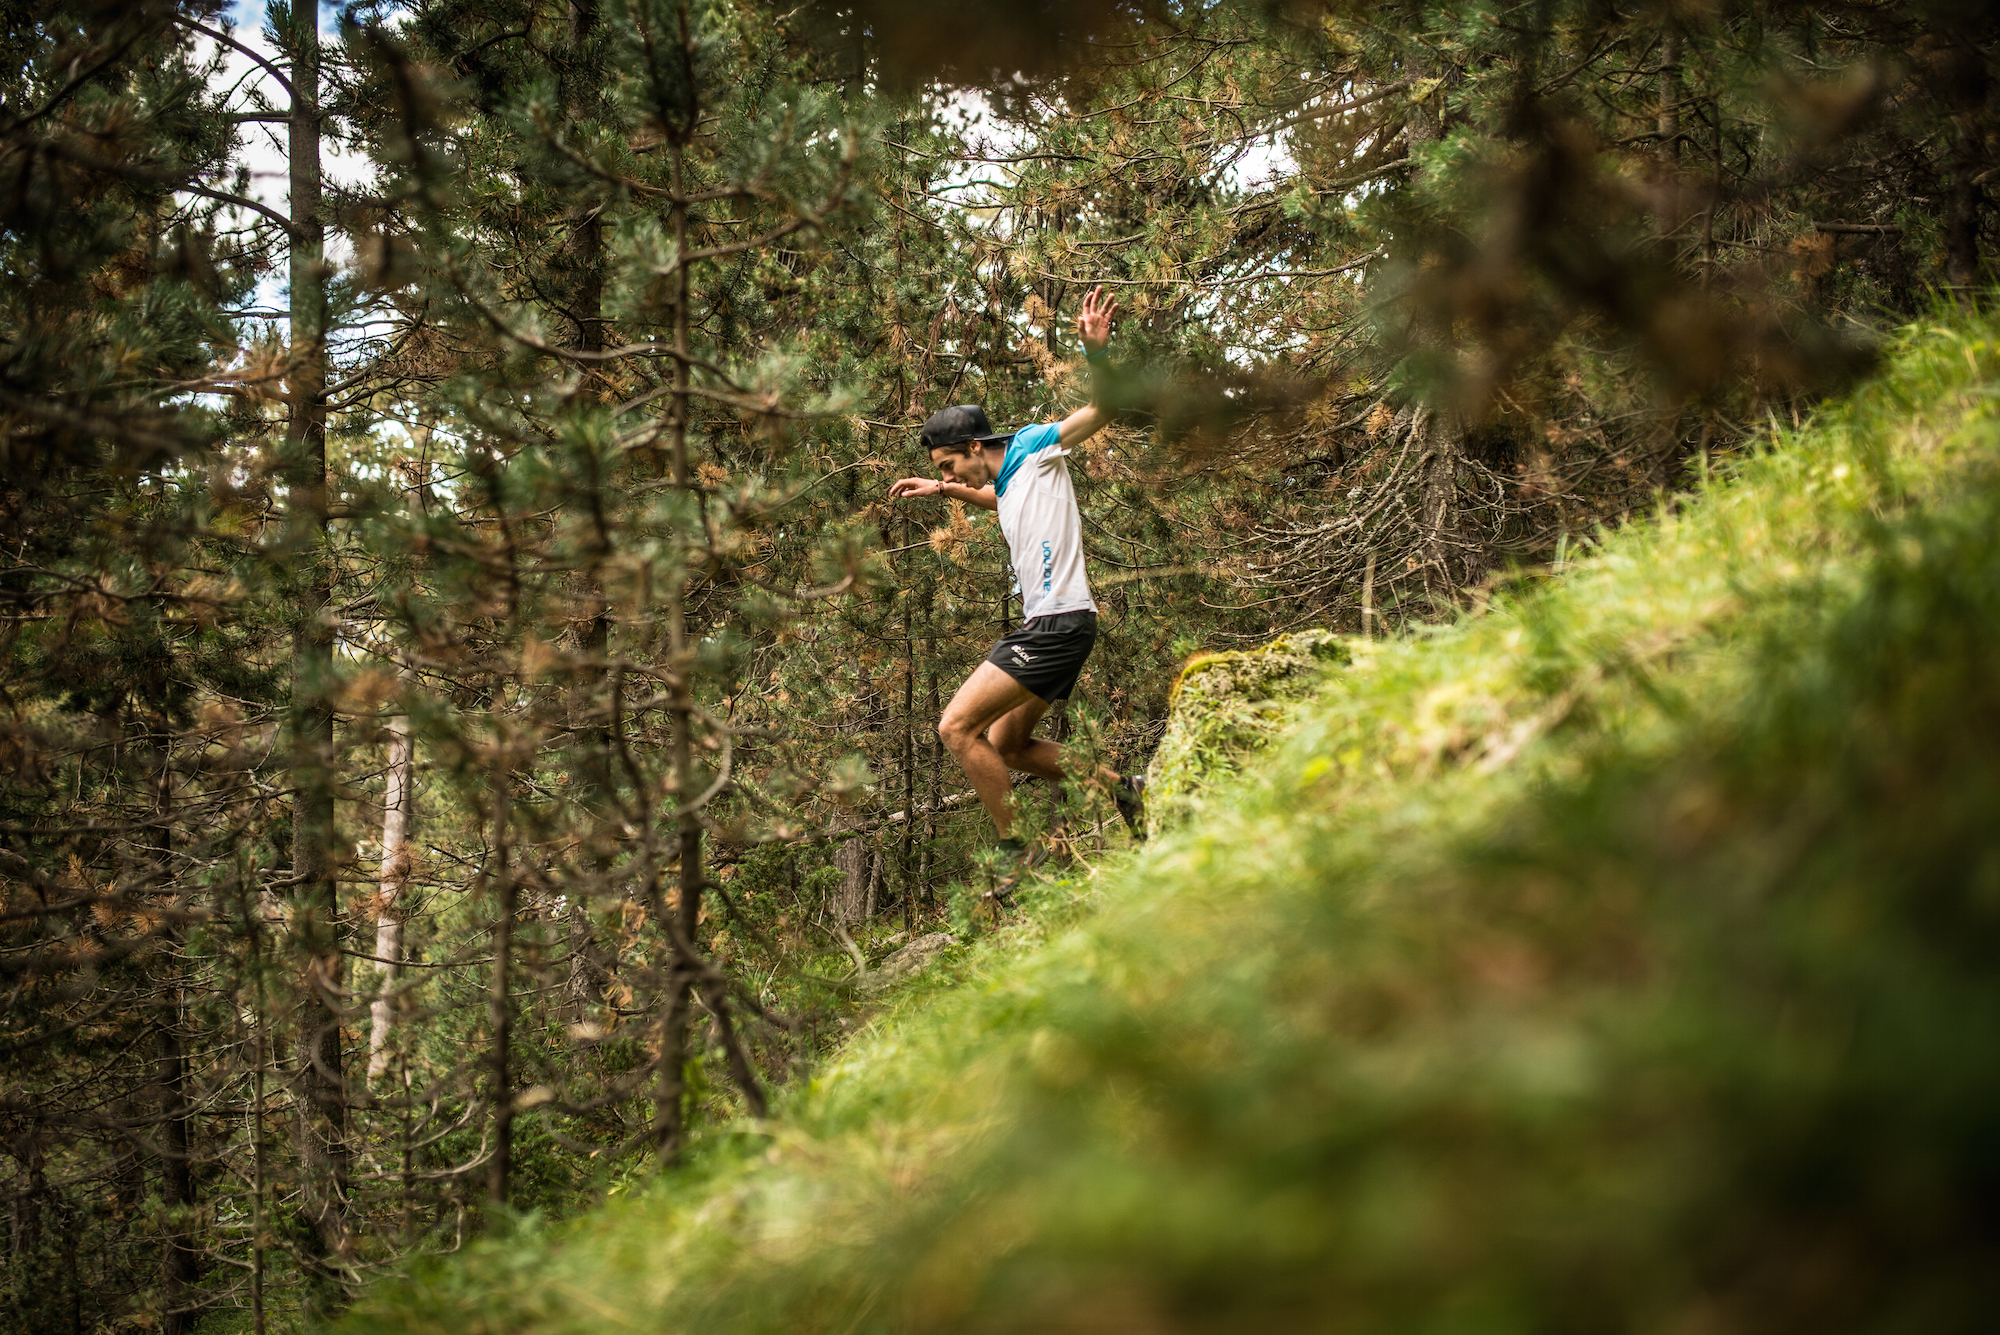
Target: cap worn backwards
961, 425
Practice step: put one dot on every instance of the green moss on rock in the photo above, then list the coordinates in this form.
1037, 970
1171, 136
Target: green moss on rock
1226, 707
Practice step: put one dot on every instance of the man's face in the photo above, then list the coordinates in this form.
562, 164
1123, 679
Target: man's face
968, 469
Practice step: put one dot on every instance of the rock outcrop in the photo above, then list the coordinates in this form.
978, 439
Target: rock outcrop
1226, 707
912, 959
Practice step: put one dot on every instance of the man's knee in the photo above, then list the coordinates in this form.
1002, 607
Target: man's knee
1014, 743
954, 734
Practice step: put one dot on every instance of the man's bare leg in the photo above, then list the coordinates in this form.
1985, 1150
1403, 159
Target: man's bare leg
988, 695
989, 727
1013, 737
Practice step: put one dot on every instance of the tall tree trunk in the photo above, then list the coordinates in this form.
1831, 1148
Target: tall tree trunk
1667, 125
398, 808
501, 1001
180, 1264
323, 1149
850, 896
1962, 208
259, 1167
1667, 122
905, 861
27, 1221
586, 975
583, 269
179, 1260
934, 771
673, 1045
691, 974
585, 247
1448, 560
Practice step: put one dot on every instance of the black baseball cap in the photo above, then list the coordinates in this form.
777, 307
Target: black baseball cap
961, 425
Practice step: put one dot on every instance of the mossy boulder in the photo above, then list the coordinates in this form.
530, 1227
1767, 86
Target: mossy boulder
1225, 708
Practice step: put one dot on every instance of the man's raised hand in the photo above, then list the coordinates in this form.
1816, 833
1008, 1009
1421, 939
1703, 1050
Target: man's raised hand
1093, 322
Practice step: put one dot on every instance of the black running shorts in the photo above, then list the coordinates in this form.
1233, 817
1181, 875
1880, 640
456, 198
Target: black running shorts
1046, 655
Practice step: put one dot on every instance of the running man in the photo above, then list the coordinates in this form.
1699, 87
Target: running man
990, 723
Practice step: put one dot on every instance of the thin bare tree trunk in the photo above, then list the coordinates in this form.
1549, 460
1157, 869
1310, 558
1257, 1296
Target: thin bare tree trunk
180, 1261
1667, 217
1668, 122
1963, 203
584, 250
398, 808
935, 769
259, 1174
1368, 598
906, 862
501, 1002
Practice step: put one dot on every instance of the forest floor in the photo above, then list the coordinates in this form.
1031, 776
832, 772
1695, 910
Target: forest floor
1619, 956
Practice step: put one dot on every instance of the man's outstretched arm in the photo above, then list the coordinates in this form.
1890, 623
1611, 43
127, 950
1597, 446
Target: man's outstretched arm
1093, 325
982, 497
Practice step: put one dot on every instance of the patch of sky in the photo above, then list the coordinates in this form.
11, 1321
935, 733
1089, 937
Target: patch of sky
264, 153
242, 70
1264, 163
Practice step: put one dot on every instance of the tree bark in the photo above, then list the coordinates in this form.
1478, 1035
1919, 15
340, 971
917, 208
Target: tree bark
1668, 119
179, 1259
586, 976
323, 1149
180, 1256
853, 858
1962, 208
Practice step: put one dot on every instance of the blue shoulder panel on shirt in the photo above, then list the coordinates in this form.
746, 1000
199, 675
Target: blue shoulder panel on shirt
1027, 442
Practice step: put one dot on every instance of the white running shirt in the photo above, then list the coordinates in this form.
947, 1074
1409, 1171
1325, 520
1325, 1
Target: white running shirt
1039, 518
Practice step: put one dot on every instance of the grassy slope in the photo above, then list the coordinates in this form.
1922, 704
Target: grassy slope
1620, 958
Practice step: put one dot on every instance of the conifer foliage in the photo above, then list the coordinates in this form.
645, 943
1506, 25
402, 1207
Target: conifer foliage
466, 706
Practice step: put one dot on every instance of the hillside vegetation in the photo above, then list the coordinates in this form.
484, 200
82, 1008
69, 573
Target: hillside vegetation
1619, 958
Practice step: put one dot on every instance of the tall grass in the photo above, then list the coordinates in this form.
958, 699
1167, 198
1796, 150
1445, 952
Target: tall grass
1620, 958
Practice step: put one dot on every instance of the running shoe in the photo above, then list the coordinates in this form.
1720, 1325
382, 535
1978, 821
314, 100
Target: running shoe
1016, 859
1130, 795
